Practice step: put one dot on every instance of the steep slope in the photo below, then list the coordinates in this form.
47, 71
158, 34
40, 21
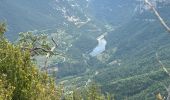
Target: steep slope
127, 68
137, 42
73, 18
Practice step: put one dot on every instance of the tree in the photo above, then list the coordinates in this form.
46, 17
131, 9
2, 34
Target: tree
94, 93
77, 95
37, 45
109, 97
20, 79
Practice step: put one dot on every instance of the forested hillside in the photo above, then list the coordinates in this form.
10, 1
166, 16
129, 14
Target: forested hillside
129, 32
21, 79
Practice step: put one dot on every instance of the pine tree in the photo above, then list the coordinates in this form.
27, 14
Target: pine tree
94, 93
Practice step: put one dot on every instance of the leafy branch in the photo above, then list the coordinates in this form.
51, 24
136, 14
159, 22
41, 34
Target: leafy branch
37, 45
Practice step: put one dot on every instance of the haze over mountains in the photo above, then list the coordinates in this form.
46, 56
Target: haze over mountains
127, 68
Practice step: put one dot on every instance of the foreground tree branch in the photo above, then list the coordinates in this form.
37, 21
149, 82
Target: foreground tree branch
35, 49
50, 53
38, 45
157, 15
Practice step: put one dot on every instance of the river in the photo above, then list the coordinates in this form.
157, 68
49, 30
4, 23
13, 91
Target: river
100, 47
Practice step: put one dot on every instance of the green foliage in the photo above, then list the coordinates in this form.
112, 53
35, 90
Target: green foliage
2, 29
94, 93
77, 95
6, 89
20, 79
37, 44
73, 95
109, 97
137, 42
